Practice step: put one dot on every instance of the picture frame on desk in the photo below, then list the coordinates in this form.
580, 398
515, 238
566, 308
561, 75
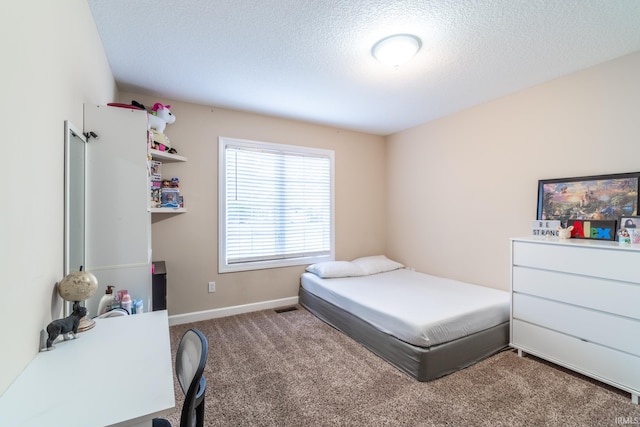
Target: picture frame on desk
597, 198
629, 222
629, 228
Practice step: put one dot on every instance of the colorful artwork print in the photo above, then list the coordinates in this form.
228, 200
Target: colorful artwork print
598, 198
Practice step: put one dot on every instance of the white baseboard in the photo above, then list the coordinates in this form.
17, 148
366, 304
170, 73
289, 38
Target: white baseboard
198, 316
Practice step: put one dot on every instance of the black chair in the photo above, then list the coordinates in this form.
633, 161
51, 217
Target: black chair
190, 360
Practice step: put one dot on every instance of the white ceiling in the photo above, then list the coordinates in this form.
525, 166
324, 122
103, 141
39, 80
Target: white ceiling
311, 60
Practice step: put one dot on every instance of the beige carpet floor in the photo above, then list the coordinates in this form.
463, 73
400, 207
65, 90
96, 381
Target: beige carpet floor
291, 369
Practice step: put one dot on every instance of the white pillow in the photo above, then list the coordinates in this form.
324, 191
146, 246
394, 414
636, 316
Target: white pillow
376, 264
334, 269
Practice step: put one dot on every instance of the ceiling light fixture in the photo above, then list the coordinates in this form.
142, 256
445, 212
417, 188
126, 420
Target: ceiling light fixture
396, 50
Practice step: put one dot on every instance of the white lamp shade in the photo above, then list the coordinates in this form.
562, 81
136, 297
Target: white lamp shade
396, 50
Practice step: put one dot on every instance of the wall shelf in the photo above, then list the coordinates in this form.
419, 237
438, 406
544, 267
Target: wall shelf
166, 157
168, 210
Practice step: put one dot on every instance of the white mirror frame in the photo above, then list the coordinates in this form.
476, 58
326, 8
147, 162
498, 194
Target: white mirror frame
74, 199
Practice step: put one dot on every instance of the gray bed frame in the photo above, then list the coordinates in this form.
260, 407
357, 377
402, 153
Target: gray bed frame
421, 363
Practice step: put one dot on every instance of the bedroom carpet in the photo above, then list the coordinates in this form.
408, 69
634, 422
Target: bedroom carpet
292, 369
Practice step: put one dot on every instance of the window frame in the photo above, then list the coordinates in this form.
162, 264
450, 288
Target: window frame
223, 265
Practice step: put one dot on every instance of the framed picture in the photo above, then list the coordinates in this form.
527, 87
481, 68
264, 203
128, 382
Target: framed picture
629, 229
599, 198
629, 222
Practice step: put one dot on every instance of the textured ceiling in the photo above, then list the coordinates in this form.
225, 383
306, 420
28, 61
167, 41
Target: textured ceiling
311, 60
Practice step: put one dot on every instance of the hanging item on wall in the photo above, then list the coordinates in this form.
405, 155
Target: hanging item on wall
597, 198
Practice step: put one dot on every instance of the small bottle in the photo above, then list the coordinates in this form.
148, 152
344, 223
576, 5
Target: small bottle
106, 302
126, 302
137, 306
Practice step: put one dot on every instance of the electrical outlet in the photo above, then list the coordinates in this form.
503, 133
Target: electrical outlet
212, 287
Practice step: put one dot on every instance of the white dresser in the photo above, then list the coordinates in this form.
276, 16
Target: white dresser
577, 303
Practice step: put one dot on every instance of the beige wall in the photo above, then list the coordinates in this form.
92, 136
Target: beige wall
53, 62
461, 186
188, 243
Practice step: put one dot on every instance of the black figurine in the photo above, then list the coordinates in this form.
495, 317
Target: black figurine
68, 326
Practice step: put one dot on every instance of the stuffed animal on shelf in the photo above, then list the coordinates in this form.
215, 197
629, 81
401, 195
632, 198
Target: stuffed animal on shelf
67, 327
565, 233
161, 142
160, 116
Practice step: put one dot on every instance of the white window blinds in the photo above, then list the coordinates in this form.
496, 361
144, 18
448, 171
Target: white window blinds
278, 204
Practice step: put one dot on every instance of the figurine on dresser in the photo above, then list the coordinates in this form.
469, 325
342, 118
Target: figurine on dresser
67, 327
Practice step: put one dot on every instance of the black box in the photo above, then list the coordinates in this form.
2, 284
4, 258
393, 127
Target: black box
159, 286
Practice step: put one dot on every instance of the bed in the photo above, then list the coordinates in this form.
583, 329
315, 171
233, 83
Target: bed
424, 325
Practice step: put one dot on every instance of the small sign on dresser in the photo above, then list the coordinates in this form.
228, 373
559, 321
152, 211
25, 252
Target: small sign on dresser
544, 228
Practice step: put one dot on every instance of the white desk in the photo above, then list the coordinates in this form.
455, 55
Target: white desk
119, 373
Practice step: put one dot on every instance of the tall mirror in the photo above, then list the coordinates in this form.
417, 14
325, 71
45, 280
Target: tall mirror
74, 198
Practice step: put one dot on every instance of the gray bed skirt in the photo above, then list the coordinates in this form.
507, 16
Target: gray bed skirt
421, 363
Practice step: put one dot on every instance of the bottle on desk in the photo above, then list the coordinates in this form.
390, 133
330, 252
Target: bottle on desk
106, 302
126, 302
137, 306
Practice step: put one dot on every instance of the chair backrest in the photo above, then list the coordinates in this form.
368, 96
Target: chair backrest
191, 358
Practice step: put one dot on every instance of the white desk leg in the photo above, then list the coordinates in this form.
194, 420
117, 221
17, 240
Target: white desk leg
634, 398
520, 353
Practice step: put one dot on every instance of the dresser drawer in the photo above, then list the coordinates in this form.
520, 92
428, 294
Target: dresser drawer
597, 261
604, 364
621, 298
595, 326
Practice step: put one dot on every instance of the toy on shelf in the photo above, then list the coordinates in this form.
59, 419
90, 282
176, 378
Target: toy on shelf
169, 197
565, 233
159, 116
156, 195
166, 194
171, 183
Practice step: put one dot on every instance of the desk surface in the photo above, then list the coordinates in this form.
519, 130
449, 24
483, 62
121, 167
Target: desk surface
118, 373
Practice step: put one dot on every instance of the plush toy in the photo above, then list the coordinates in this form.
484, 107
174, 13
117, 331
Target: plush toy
565, 233
161, 141
160, 116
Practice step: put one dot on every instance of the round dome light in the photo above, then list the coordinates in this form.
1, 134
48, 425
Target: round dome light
397, 49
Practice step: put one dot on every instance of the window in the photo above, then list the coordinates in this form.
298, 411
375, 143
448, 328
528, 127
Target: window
275, 205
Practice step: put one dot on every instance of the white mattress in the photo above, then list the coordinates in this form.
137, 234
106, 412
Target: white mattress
417, 308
